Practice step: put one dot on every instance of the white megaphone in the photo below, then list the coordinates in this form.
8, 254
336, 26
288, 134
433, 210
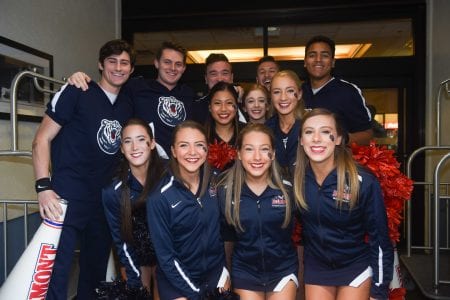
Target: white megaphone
397, 278
111, 272
31, 275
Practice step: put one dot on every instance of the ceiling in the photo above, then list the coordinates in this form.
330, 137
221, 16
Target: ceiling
392, 37
384, 24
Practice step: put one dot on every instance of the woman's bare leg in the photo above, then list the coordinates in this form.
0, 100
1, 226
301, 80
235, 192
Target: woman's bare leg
289, 292
320, 292
354, 293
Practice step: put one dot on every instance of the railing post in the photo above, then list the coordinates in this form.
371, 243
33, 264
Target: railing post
13, 103
437, 246
408, 203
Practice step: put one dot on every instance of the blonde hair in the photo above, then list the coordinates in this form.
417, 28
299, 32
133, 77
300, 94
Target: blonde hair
347, 170
234, 179
300, 108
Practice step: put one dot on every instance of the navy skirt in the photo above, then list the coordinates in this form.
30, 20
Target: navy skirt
317, 272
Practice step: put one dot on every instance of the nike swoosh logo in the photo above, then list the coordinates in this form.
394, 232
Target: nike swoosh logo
176, 204
40, 187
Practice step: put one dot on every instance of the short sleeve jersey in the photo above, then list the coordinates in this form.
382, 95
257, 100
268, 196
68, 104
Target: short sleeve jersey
84, 153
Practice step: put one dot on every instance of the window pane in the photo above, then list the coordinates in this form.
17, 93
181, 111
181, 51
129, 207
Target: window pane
381, 38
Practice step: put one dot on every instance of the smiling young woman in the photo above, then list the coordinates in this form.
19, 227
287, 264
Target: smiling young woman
257, 209
341, 204
184, 221
124, 201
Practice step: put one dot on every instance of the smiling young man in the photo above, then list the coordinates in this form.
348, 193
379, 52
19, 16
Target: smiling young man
75, 151
337, 95
218, 68
267, 68
163, 102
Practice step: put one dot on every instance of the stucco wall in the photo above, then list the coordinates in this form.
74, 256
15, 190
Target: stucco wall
72, 31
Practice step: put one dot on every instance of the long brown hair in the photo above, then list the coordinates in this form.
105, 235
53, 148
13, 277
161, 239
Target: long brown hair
347, 171
173, 163
154, 171
234, 179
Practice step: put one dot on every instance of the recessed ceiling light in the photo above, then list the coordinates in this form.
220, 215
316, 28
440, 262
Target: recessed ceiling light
279, 53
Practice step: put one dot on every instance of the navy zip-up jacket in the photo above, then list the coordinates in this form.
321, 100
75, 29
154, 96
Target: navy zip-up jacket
336, 235
264, 251
185, 232
127, 253
285, 144
343, 98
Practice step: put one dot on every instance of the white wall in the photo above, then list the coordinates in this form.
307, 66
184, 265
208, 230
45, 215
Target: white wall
72, 31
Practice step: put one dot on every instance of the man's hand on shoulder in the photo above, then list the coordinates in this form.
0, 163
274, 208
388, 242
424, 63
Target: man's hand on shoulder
80, 80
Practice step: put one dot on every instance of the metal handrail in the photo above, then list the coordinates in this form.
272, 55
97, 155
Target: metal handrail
4, 204
13, 103
408, 203
13, 151
436, 185
438, 109
436, 253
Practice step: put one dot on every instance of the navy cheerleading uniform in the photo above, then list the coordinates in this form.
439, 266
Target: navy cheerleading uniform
264, 256
84, 155
185, 230
336, 251
285, 145
140, 251
343, 98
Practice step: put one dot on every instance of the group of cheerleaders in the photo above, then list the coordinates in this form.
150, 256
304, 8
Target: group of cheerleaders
183, 230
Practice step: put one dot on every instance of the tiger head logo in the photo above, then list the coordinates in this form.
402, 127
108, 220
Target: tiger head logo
108, 136
171, 111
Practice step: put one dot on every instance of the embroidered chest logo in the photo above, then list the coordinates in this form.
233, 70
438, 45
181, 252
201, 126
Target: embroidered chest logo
108, 136
345, 197
171, 111
278, 201
212, 191
285, 140
175, 204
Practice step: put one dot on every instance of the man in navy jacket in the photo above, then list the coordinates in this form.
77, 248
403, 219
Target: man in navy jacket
337, 95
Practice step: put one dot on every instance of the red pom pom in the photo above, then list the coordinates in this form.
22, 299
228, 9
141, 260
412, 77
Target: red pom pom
397, 294
220, 154
395, 186
297, 232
